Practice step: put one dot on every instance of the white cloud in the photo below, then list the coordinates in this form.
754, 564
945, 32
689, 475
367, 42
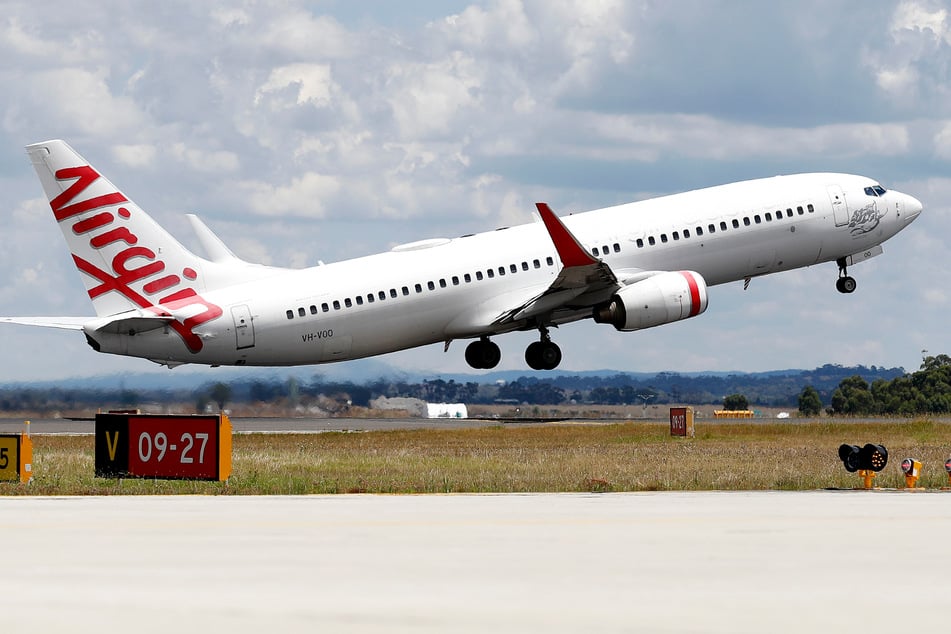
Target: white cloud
81, 99
304, 196
215, 161
140, 155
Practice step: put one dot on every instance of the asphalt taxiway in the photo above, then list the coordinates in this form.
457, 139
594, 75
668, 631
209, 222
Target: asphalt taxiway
628, 562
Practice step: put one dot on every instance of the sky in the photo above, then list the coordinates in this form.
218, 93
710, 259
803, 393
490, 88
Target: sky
306, 131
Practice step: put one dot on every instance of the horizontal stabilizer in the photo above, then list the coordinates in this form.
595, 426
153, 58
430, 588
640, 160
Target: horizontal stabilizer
65, 323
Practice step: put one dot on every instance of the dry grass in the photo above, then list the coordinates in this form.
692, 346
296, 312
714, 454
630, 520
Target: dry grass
617, 457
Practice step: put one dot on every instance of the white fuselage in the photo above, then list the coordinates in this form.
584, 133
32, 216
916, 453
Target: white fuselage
439, 290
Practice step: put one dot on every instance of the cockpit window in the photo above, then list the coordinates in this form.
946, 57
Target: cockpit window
877, 190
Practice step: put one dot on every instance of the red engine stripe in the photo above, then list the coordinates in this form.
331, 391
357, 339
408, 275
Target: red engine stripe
694, 293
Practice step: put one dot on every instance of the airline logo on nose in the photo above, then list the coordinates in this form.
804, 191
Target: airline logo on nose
133, 264
865, 220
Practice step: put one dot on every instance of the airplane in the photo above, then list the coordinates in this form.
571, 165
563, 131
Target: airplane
631, 266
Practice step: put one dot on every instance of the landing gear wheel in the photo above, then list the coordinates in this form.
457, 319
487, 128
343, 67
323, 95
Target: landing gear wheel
845, 284
543, 355
483, 354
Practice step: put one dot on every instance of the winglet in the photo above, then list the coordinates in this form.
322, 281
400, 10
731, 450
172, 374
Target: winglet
569, 249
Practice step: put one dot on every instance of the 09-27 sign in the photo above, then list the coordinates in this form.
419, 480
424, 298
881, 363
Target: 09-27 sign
169, 447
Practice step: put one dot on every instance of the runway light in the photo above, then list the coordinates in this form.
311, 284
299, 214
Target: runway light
866, 460
912, 470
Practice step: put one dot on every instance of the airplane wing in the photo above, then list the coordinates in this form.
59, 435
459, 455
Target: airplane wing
583, 282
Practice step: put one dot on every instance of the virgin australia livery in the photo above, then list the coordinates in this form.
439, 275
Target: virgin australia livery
632, 266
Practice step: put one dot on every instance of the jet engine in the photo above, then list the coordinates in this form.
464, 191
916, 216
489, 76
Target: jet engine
659, 299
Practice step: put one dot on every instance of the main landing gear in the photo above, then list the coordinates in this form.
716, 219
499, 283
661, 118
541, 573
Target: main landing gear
845, 283
544, 354
483, 354
540, 355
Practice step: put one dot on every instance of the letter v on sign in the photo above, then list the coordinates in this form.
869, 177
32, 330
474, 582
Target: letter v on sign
112, 444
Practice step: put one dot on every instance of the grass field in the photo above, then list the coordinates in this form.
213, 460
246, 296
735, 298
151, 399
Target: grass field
608, 457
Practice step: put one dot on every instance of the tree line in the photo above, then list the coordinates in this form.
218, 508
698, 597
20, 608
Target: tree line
926, 391
842, 390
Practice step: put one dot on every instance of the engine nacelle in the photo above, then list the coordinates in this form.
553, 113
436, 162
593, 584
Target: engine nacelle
659, 299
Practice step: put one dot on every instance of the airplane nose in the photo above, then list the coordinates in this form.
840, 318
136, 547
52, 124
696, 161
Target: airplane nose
912, 207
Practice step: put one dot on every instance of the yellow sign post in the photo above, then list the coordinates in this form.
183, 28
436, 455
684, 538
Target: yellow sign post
16, 457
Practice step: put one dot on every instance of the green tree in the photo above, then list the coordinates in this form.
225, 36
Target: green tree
220, 393
735, 402
854, 398
809, 402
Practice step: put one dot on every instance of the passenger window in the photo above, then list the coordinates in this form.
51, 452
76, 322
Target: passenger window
594, 251
370, 298
479, 275
757, 219
769, 217
536, 264
711, 228
604, 249
490, 273
467, 278
301, 311
746, 221
324, 307
501, 270
313, 309
419, 288
650, 240
736, 223
336, 304
617, 247
513, 268
359, 300
799, 209
550, 261
663, 237
431, 286
405, 291
640, 243
442, 283
699, 231
455, 280
524, 266
810, 208
676, 235
290, 314
393, 293
686, 233
347, 302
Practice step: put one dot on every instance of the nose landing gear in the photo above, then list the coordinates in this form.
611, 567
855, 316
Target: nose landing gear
845, 283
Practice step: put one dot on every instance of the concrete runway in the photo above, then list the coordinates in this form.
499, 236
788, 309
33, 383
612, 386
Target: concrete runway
640, 562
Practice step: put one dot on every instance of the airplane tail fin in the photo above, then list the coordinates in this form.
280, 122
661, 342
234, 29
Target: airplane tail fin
128, 262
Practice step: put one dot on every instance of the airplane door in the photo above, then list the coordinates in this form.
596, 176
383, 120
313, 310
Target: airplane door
840, 208
243, 327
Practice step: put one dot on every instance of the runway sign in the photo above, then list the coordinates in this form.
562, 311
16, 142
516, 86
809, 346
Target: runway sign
167, 447
681, 421
16, 457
